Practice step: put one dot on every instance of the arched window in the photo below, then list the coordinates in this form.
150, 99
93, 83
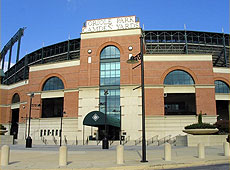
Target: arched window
221, 87
110, 52
178, 77
15, 98
53, 83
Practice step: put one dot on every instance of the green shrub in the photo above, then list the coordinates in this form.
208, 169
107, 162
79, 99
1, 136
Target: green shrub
200, 126
2, 127
200, 118
223, 126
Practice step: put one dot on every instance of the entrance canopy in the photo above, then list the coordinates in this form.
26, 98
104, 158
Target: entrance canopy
97, 118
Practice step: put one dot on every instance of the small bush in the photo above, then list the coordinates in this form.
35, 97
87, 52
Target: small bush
223, 126
200, 118
200, 126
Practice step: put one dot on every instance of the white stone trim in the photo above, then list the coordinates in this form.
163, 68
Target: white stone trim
52, 94
221, 70
12, 86
15, 106
222, 96
111, 33
55, 65
177, 57
204, 86
179, 89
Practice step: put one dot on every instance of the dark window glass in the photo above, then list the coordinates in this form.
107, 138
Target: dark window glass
52, 107
113, 102
221, 87
53, 83
178, 77
110, 80
16, 98
110, 52
110, 73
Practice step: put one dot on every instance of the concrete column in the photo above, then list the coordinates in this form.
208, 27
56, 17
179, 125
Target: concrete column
63, 156
120, 154
167, 152
5, 155
226, 149
201, 151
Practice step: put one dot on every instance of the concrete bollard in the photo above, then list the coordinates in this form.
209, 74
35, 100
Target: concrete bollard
63, 156
5, 155
226, 149
168, 152
201, 151
120, 154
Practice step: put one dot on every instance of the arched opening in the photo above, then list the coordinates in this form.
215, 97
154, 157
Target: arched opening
52, 106
222, 105
178, 102
110, 81
15, 115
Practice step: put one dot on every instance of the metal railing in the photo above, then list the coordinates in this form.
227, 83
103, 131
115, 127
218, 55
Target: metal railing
44, 140
127, 139
137, 141
152, 140
111, 141
164, 140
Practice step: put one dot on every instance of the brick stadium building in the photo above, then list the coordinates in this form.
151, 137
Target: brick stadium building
186, 72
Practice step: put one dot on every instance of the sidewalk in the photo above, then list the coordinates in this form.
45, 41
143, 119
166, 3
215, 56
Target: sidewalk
93, 157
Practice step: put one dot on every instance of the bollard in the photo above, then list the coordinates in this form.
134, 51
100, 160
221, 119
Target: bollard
63, 156
226, 149
168, 152
120, 154
201, 151
5, 155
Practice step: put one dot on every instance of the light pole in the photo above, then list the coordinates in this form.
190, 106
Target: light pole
132, 60
29, 139
105, 142
61, 128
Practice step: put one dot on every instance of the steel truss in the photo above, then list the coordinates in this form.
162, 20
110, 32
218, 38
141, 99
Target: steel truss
66, 50
189, 42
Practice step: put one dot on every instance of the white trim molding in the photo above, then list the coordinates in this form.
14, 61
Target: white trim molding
221, 70
55, 65
115, 33
12, 86
179, 89
177, 57
222, 96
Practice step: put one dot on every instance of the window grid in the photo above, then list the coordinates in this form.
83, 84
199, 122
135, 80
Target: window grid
110, 80
53, 83
178, 77
221, 87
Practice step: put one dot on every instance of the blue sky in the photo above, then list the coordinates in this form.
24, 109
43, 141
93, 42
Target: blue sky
52, 21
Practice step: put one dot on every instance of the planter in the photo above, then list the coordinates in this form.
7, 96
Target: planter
2, 132
200, 131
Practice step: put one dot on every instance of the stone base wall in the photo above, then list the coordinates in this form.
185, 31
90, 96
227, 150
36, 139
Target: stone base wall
172, 125
194, 140
6, 139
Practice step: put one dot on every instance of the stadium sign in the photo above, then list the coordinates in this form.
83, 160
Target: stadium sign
109, 24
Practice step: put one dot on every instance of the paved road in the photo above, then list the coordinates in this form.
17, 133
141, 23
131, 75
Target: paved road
207, 167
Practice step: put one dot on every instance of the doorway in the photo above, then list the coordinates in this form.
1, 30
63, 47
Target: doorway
14, 123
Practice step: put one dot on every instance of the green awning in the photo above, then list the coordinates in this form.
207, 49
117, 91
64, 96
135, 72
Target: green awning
97, 118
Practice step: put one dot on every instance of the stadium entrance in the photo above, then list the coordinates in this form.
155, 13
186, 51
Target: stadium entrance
108, 125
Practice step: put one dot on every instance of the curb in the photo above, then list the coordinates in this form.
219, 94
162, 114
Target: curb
142, 167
